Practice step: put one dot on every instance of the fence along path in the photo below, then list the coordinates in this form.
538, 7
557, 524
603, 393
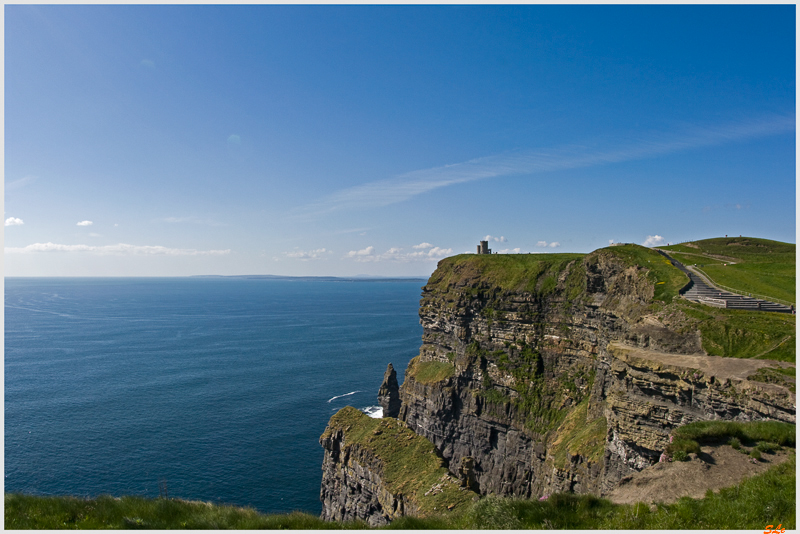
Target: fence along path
701, 290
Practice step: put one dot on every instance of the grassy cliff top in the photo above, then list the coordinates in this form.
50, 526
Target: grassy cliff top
742, 248
510, 272
744, 264
539, 273
411, 464
666, 278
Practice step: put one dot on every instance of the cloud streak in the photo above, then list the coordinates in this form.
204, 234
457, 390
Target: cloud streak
22, 182
406, 186
306, 255
427, 252
121, 249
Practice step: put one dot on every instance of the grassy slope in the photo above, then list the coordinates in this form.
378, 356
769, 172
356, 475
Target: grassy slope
411, 464
666, 278
744, 334
429, 372
766, 499
760, 267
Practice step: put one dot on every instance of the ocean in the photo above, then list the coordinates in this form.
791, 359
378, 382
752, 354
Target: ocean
212, 389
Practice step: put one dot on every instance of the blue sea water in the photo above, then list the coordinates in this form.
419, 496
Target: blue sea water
220, 387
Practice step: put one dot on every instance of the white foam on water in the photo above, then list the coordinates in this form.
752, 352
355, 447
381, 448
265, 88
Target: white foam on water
345, 395
376, 412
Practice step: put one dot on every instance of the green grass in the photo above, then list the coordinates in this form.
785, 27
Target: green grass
666, 278
532, 273
744, 334
430, 372
746, 432
578, 435
761, 266
765, 499
411, 465
683, 445
34, 512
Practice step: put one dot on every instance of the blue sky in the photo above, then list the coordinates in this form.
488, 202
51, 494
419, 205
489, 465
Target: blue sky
329, 140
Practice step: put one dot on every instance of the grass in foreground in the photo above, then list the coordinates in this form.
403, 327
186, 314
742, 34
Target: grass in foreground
766, 499
32, 512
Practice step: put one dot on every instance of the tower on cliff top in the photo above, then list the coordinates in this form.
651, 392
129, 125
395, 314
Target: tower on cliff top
483, 248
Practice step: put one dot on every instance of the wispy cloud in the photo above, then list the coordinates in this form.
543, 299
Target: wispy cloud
500, 239
85, 223
653, 241
396, 254
406, 186
22, 182
121, 249
14, 221
423, 246
509, 251
306, 255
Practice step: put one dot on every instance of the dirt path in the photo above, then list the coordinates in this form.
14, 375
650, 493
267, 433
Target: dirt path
716, 467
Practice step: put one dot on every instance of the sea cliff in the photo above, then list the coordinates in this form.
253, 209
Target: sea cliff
549, 373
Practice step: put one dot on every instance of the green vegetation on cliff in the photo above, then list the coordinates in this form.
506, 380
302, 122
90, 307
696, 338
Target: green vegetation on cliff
751, 431
745, 264
579, 435
531, 273
411, 465
741, 333
539, 402
429, 372
667, 279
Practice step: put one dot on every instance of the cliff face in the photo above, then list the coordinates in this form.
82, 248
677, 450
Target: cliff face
377, 470
551, 373
565, 385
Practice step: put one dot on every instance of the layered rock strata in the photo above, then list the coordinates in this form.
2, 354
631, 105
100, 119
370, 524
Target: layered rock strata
564, 390
537, 377
376, 470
